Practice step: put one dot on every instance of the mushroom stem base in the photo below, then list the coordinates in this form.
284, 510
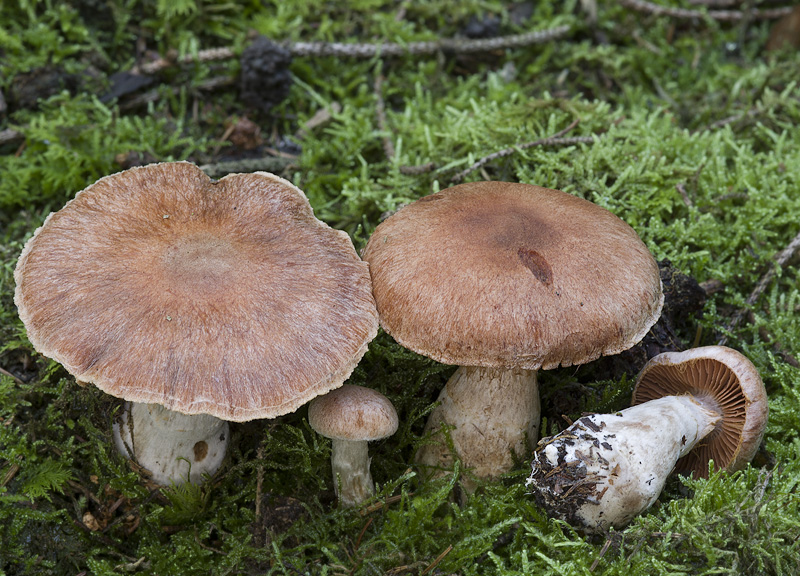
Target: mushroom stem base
174, 447
350, 464
493, 412
606, 469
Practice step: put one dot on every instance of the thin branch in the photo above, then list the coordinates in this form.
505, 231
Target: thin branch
724, 15
259, 483
388, 145
10, 375
418, 169
380, 505
780, 260
436, 562
726, 121
380, 111
554, 140
8, 136
208, 55
602, 553
356, 50
685, 195
156, 93
449, 45
715, 3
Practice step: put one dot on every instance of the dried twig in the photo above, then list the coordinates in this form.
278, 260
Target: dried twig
8, 136
724, 15
780, 260
5, 372
685, 195
603, 551
436, 562
322, 116
726, 121
259, 482
380, 110
450, 45
419, 169
554, 140
388, 145
715, 3
354, 50
380, 505
208, 55
12, 471
156, 93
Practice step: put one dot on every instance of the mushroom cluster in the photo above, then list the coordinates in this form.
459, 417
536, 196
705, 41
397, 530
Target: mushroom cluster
502, 279
689, 408
201, 302
198, 301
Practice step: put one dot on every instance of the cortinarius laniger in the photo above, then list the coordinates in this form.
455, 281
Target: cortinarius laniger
198, 301
689, 408
503, 279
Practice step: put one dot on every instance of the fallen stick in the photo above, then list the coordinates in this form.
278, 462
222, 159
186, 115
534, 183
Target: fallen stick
355, 50
723, 15
781, 259
554, 140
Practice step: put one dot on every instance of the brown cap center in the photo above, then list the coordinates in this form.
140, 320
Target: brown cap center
200, 264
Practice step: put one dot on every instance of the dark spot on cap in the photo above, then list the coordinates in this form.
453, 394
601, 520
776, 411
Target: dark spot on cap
200, 451
537, 264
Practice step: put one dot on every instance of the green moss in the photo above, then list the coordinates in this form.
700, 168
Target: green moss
648, 94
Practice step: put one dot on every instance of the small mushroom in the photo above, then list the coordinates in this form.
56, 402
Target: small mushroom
503, 279
351, 416
198, 301
689, 408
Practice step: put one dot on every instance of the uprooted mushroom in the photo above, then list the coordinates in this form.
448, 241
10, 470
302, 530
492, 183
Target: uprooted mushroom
689, 408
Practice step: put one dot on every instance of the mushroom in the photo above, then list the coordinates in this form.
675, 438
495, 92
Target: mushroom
171, 445
503, 279
689, 408
187, 296
351, 416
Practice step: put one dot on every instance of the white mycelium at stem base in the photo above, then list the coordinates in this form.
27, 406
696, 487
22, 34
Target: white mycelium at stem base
350, 464
607, 468
174, 447
494, 412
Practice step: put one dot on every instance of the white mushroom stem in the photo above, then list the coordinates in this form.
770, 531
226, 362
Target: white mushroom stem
607, 468
494, 412
350, 464
174, 447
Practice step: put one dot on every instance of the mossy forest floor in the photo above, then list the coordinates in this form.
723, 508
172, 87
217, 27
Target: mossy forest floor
688, 130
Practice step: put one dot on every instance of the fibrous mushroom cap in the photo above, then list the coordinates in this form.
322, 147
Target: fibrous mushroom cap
229, 298
353, 413
720, 378
510, 275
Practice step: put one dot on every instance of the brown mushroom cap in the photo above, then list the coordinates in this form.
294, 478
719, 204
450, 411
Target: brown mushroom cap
509, 275
229, 298
720, 378
353, 413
